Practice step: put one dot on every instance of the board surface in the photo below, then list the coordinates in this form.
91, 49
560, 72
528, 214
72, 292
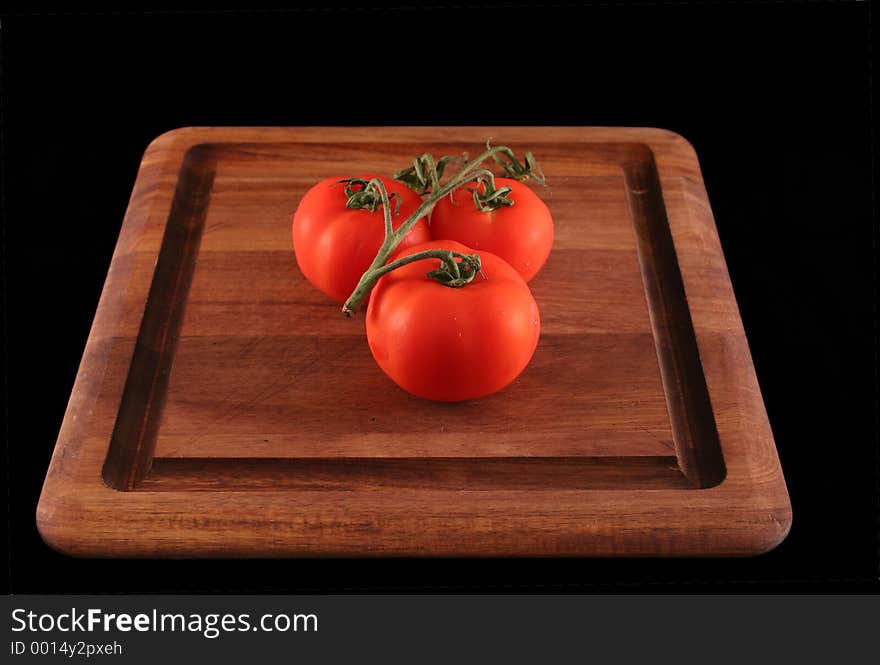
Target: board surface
224, 407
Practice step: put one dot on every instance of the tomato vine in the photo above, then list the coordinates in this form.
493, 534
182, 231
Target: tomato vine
424, 176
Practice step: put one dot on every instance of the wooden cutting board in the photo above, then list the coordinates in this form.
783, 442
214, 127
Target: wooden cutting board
225, 408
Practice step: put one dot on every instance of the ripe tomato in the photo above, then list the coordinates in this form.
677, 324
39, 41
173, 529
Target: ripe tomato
452, 344
335, 245
521, 234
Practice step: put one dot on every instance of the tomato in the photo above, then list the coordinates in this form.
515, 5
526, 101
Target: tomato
334, 245
521, 234
452, 344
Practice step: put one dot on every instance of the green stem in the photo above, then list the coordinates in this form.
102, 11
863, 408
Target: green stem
471, 171
451, 273
464, 176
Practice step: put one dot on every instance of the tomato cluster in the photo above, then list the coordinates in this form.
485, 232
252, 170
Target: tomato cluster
436, 334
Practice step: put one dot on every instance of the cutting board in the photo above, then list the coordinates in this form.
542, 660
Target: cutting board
225, 408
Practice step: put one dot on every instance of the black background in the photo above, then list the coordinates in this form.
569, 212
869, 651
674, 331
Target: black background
774, 96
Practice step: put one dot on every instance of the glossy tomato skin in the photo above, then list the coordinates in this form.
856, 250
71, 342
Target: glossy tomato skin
521, 234
334, 245
452, 344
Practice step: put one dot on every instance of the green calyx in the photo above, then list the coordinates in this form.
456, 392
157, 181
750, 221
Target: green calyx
364, 195
490, 198
424, 175
453, 273
520, 171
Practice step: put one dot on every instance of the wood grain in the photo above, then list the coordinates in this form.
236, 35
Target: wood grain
224, 408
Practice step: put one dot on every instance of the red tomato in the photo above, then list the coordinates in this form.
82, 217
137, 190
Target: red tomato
452, 344
335, 245
521, 234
